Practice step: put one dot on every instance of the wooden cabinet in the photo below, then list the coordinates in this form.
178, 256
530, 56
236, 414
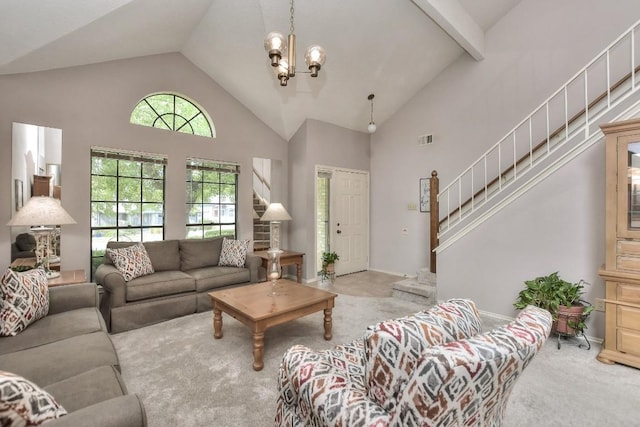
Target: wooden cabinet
621, 270
41, 185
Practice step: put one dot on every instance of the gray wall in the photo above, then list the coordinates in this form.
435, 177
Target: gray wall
530, 53
92, 105
318, 143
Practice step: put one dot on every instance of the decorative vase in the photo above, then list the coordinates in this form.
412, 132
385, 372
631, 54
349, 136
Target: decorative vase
273, 269
567, 316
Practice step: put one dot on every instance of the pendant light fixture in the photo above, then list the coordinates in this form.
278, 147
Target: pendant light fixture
276, 46
372, 125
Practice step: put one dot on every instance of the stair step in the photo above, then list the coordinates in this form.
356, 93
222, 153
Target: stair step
411, 290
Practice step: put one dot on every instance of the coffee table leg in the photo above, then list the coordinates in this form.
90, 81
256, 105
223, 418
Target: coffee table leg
327, 324
258, 350
217, 323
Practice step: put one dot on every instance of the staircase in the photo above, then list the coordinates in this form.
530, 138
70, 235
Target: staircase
560, 129
261, 233
421, 289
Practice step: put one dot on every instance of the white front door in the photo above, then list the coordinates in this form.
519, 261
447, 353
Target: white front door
349, 225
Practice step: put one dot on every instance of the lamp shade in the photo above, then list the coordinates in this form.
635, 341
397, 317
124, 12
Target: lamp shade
276, 212
41, 210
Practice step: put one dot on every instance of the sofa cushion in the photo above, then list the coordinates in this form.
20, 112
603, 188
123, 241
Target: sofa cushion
22, 403
198, 253
234, 252
55, 327
392, 348
132, 261
159, 284
53, 362
24, 298
215, 277
88, 388
164, 254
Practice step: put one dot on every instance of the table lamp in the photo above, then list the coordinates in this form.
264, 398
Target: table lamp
275, 213
41, 213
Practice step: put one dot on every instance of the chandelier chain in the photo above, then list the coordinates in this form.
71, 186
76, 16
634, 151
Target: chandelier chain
291, 29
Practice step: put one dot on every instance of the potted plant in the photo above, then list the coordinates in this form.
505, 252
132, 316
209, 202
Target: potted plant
561, 299
328, 264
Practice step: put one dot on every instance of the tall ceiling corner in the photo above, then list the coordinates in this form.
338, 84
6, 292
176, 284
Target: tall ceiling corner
451, 16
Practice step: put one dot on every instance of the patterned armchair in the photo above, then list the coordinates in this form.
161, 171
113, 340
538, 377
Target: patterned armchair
433, 368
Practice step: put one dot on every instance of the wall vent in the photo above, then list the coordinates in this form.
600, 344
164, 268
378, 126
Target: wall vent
425, 139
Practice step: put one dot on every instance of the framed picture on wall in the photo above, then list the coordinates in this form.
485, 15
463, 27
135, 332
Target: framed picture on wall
19, 195
424, 194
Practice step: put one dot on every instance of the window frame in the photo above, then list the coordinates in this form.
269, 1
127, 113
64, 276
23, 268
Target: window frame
121, 230
171, 124
206, 227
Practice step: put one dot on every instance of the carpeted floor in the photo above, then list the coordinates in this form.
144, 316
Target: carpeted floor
185, 377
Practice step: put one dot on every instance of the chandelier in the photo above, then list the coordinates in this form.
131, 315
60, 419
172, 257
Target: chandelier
276, 45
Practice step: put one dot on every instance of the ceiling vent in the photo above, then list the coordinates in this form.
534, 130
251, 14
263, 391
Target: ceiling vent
425, 139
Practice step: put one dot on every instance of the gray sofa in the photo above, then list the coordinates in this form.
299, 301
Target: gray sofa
185, 271
70, 355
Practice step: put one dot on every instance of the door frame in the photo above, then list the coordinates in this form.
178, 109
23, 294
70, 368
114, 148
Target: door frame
331, 169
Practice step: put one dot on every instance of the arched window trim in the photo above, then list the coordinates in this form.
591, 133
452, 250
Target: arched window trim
170, 124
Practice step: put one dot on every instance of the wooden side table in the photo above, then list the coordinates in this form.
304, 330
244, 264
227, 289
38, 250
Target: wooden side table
31, 262
286, 258
68, 277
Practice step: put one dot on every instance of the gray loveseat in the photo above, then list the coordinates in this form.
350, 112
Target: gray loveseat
70, 355
185, 271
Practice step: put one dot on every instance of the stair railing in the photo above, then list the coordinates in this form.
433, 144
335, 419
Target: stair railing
572, 110
261, 187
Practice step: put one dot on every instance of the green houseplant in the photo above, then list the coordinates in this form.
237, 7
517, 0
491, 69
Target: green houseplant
561, 299
328, 264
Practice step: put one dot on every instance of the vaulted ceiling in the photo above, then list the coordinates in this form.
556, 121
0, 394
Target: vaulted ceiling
391, 48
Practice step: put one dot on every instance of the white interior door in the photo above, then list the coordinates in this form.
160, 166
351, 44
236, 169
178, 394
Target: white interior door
349, 225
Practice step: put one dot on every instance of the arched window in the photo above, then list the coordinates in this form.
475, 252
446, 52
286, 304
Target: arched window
172, 112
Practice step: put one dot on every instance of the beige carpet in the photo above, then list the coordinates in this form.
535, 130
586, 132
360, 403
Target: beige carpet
187, 378
363, 284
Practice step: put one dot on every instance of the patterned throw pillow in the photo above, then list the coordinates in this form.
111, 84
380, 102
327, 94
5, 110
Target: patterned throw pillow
24, 299
234, 252
22, 403
132, 261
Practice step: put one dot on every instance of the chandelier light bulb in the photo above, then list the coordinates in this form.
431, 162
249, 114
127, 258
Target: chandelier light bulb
283, 72
315, 57
372, 127
275, 44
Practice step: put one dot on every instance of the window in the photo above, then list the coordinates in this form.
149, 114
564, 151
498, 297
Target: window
211, 199
127, 199
172, 112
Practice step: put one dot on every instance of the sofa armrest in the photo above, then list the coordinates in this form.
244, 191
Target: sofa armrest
72, 297
113, 283
253, 263
122, 411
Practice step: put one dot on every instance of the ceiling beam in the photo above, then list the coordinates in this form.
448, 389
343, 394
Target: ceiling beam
456, 22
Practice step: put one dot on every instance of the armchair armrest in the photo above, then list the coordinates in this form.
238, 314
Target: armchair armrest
113, 282
253, 263
393, 348
72, 297
122, 411
325, 388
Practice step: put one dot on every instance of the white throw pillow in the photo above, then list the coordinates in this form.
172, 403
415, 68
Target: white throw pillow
24, 298
234, 252
22, 403
132, 261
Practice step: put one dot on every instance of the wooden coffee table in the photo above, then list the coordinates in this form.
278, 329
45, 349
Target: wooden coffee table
253, 306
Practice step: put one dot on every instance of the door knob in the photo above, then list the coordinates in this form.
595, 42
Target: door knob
339, 231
